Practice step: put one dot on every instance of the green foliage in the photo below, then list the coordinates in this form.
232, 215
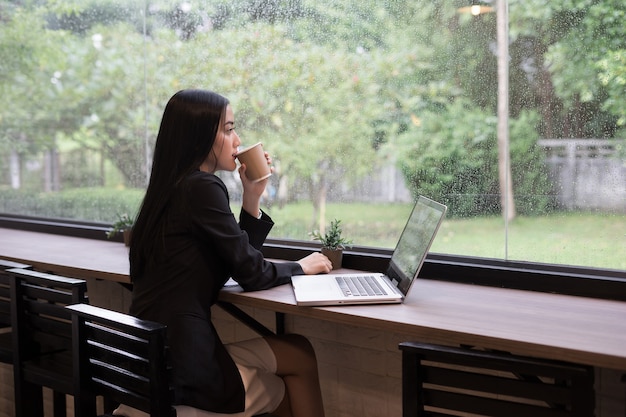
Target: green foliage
330, 87
613, 78
583, 41
21, 202
332, 238
123, 222
300, 105
452, 156
29, 57
87, 204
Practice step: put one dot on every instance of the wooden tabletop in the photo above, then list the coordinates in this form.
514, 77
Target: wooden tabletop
576, 329
65, 255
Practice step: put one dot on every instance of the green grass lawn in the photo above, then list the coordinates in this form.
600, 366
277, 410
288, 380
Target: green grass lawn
583, 239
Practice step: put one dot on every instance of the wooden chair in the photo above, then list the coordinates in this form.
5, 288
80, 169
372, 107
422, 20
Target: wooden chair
6, 334
123, 359
42, 338
6, 343
441, 380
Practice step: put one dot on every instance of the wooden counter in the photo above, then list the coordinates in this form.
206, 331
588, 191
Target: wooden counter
65, 255
576, 329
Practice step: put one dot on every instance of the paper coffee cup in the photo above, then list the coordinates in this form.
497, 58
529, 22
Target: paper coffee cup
253, 157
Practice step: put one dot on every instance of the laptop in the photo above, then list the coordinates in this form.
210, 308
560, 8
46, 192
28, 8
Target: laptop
376, 288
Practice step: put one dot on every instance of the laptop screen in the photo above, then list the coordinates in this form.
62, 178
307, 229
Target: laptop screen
414, 242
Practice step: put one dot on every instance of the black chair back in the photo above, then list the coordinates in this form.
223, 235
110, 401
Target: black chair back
442, 380
121, 358
6, 344
5, 291
42, 337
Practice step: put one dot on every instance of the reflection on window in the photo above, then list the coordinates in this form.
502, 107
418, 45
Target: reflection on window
362, 104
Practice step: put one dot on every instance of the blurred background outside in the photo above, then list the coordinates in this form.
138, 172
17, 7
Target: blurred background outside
363, 105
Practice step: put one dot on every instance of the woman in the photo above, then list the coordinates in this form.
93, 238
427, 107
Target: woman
186, 243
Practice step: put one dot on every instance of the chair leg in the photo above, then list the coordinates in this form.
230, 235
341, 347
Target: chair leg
59, 404
624, 380
28, 400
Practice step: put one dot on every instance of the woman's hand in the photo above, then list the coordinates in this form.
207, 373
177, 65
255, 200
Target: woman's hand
315, 263
253, 191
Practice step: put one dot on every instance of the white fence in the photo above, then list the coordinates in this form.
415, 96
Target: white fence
586, 173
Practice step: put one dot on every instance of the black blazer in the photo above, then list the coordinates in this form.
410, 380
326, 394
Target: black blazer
204, 246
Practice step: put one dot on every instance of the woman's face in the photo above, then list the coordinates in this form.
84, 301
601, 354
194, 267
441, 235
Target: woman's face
222, 155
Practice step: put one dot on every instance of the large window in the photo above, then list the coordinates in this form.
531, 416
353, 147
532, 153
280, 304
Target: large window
362, 104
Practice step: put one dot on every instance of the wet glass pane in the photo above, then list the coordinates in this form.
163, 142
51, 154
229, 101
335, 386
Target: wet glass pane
363, 105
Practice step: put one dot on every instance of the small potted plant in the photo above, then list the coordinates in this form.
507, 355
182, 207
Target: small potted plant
333, 243
124, 225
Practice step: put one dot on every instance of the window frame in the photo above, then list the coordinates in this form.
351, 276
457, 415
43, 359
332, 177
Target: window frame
530, 276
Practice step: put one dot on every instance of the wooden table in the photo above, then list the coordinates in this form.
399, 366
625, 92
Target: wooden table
65, 255
576, 329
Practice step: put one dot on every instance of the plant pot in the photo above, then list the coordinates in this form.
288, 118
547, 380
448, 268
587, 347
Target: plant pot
335, 256
127, 233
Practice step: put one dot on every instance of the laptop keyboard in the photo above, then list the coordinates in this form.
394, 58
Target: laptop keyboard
362, 285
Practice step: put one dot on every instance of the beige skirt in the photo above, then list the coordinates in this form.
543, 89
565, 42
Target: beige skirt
257, 365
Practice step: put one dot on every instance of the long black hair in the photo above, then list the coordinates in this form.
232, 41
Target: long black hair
190, 123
